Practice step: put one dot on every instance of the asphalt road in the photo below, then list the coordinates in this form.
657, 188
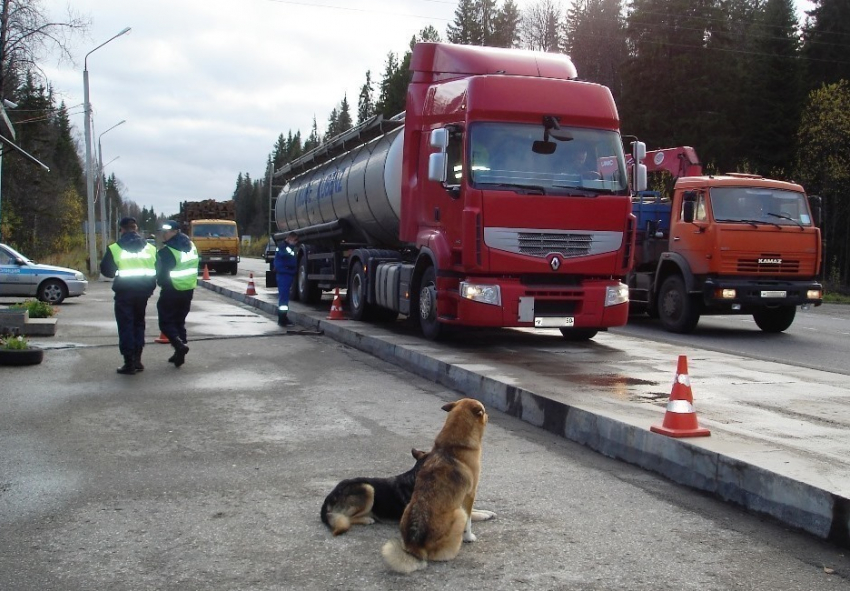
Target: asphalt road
211, 477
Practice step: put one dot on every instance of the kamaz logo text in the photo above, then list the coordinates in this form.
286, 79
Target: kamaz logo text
770, 261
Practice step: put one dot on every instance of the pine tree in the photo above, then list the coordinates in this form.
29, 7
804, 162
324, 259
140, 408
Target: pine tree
507, 26
826, 42
596, 41
365, 103
466, 28
776, 84
344, 119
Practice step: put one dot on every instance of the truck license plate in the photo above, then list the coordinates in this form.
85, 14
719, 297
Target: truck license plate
773, 294
215, 258
553, 321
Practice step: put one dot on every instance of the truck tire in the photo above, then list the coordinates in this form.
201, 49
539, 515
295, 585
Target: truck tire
234, 268
677, 309
308, 293
577, 335
775, 318
427, 308
357, 292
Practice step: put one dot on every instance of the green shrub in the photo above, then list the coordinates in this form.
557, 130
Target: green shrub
36, 308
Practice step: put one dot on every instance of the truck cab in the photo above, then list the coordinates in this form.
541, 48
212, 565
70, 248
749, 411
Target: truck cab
217, 242
726, 244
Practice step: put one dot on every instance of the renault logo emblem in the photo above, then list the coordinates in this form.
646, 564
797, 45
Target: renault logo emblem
555, 263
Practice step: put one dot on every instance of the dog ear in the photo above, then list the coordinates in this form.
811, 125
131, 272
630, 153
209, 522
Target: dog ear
448, 407
418, 454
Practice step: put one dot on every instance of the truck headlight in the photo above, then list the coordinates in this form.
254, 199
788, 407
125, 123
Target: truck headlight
814, 294
616, 294
486, 294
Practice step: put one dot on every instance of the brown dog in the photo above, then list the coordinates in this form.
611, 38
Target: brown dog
438, 518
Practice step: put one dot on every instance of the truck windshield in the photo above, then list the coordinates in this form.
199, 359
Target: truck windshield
213, 231
760, 205
501, 157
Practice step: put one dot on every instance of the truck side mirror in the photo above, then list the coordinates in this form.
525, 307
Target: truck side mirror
437, 167
639, 170
440, 139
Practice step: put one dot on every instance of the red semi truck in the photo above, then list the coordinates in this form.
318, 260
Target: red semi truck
499, 198
724, 244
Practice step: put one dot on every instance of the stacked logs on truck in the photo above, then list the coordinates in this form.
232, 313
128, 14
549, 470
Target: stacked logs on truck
208, 209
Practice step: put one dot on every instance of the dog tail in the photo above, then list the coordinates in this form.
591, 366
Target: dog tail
338, 522
399, 560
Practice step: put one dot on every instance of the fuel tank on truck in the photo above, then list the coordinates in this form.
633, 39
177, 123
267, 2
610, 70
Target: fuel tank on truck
360, 189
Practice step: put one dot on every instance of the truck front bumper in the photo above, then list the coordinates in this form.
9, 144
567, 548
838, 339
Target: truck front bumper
547, 306
725, 293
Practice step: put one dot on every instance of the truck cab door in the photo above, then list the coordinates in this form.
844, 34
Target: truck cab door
690, 231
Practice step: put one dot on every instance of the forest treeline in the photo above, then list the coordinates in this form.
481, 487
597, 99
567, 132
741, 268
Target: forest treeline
745, 82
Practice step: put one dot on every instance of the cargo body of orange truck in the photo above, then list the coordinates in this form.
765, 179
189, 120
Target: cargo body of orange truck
724, 244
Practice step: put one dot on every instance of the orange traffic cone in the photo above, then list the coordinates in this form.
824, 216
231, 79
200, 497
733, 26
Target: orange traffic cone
680, 420
336, 307
251, 289
161, 338
206, 276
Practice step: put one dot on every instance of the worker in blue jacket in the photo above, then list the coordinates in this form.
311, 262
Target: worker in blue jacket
285, 267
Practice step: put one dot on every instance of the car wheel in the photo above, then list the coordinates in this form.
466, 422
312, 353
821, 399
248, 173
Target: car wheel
775, 319
52, 291
677, 309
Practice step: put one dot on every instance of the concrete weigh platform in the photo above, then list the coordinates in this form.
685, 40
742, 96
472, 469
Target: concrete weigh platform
780, 435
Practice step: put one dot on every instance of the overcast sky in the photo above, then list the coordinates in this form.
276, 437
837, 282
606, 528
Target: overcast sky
207, 86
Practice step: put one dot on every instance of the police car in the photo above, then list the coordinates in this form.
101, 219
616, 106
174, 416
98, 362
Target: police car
19, 276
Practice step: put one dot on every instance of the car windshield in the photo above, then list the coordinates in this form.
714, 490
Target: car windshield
501, 157
751, 205
214, 231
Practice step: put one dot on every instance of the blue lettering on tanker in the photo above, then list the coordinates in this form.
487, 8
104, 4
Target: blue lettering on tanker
330, 184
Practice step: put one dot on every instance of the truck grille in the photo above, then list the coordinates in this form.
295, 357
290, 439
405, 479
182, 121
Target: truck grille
542, 243
762, 264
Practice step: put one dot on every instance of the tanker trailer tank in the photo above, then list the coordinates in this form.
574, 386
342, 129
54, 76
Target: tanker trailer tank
354, 198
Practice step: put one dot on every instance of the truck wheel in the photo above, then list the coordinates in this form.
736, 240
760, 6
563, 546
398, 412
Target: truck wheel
678, 311
357, 292
775, 318
578, 335
307, 292
234, 268
431, 327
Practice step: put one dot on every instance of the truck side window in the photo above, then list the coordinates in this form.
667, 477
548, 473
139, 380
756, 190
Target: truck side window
700, 209
454, 152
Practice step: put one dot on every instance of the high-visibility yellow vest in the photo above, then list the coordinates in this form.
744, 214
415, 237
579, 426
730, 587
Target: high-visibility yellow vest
184, 275
134, 264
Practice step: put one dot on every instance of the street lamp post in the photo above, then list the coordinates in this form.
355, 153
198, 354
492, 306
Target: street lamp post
89, 176
104, 227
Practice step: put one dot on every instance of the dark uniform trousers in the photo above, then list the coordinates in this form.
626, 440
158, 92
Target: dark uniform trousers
173, 307
130, 309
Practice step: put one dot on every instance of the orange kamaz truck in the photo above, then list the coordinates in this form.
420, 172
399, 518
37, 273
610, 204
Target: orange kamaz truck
723, 244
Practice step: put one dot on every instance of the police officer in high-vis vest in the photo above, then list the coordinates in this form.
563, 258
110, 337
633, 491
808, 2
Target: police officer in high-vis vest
177, 276
131, 261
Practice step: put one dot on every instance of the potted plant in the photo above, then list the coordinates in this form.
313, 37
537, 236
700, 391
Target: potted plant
15, 349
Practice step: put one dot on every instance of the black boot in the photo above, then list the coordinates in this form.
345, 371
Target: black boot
137, 361
179, 357
282, 320
129, 367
